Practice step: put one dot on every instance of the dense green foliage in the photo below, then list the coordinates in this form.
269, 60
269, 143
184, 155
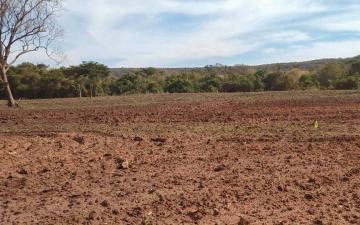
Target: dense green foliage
94, 79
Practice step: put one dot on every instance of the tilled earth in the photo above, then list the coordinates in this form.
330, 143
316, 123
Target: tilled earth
219, 162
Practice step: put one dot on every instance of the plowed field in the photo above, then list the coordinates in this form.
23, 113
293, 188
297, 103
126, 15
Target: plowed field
206, 159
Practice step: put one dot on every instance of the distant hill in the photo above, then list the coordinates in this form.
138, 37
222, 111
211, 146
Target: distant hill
219, 68
306, 65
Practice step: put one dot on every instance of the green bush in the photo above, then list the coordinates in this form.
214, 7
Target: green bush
348, 83
126, 85
274, 82
179, 84
210, 83
355, 68
239, 83
154, 86
308, 81
331, 73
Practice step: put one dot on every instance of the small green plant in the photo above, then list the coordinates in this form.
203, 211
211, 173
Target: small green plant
316, 124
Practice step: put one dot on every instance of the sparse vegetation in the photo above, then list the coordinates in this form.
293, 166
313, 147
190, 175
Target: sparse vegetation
90, 79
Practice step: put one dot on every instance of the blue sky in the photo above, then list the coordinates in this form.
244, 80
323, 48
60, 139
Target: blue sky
186, 33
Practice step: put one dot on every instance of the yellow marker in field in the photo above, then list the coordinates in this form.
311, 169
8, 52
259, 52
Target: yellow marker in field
316, 124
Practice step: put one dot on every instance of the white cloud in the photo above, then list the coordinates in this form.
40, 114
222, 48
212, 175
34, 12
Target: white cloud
337, 49
135, 33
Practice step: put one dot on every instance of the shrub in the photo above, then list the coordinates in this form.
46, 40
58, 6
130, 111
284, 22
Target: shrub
330, 73
210, 83
240, 83
308, 81
179, 84
274, 82
348, 83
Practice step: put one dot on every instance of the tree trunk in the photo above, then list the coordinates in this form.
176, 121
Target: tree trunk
7, 90
91, 91
80, 92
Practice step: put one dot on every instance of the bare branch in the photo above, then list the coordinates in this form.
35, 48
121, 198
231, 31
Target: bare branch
27, 26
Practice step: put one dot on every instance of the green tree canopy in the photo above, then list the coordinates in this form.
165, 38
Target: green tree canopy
330, 73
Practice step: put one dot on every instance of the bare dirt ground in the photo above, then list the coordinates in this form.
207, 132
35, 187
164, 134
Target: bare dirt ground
232, 159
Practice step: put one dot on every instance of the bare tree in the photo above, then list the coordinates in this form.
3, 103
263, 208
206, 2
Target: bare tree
25, 26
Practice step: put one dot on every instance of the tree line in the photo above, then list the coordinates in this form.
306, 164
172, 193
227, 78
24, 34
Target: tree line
90, 79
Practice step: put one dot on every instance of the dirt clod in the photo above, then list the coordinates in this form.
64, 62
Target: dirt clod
151, 190
107, 156
318, 222
308, 197
44, 170
280, 188
219, 168
121, 164
135, 212
104, 203
243, 221
195, 215
79, 139
137, 138
22, 171
312, 180
91, 215
159, 140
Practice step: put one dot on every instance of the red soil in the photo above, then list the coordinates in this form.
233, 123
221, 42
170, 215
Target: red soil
223, 162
